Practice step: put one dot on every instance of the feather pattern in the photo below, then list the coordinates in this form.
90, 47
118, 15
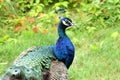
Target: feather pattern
30, 66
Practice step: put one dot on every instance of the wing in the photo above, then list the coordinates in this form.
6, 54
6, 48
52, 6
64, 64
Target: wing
58, 71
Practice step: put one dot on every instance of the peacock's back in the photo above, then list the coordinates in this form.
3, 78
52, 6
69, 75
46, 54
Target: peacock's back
31, 66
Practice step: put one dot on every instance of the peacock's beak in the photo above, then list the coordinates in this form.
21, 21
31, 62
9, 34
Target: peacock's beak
73, 24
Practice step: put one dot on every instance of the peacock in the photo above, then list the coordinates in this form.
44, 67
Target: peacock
42, 63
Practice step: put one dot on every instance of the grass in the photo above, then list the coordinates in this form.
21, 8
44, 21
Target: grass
97, 54
98, 57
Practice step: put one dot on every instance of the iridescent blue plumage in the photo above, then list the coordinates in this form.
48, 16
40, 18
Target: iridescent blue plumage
64, 49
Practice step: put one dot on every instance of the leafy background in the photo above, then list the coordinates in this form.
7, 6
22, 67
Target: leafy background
26, 23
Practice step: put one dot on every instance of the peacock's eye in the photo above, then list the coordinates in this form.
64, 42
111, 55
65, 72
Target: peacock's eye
67, 21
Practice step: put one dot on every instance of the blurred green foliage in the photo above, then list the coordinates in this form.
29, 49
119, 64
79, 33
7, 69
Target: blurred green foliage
103, 12
26, 23
100, 11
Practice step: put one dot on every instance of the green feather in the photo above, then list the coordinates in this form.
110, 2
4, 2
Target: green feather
31, 65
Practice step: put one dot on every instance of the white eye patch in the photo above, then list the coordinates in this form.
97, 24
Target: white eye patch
65, 23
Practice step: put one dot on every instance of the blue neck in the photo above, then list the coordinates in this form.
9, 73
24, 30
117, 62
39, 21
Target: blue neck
64, 49
61, 31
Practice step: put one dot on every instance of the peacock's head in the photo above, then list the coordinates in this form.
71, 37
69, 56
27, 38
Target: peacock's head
66, 22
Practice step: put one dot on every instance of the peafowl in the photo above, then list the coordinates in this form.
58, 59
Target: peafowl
37, 62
